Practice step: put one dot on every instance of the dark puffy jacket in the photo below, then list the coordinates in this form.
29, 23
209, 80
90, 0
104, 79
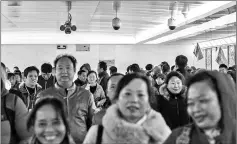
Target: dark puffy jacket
104, 76
173, 107
29, 99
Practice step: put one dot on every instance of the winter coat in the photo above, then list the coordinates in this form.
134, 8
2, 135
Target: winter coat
99, 95
16, 108
173, 107
80, 108
78, 82
153, 130
46, 83
192, 134
29, 99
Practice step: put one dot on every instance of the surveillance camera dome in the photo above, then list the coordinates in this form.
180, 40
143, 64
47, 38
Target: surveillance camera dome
172, 23
74, 28
172, 27
68, 30
62, 27
116, 23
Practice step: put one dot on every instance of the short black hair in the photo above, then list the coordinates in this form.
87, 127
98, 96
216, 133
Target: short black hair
113, 69
16, 67
57, 105
172, 68
149, 67
181, 61
128, 78
165, 67
9, 75
134, 68
174, 73
87, 66
223, 66
46, 68
80, 72
18, 72
72, 58
103, 65
29, 69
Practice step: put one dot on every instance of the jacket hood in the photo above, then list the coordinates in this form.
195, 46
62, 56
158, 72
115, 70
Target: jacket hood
22, 86
226, 90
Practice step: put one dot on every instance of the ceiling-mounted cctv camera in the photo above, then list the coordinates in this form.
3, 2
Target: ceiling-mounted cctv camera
116, 23
172, 23
68, 27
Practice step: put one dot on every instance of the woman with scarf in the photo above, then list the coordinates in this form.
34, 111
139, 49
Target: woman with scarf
211, 98
130, 120
172, 101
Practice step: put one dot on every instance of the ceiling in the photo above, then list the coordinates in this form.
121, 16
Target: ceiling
34, 19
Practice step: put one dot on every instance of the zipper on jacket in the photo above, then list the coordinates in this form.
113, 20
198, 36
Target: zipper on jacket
45, 86
67, 101
177, 104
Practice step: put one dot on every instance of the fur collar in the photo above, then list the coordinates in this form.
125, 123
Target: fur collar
152, 131
164, 92
22, 87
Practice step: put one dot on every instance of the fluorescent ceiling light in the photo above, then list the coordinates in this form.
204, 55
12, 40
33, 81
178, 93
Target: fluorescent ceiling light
159, 29
223, 21
217, 42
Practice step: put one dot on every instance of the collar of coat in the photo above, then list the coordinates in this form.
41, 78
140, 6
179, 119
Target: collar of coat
152, 130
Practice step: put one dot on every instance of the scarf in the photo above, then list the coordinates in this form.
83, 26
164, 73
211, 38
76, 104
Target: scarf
153, 130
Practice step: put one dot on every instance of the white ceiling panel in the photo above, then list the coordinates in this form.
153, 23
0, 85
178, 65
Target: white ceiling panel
92, 17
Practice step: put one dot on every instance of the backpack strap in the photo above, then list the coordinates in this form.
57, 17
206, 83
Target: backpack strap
99, 134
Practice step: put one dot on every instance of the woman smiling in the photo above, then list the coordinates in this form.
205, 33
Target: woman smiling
130, 120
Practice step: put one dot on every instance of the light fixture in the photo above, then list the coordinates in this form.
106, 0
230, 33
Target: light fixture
220, 22
116, 23
68, 27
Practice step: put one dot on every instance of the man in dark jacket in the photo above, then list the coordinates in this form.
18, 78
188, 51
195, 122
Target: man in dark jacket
79, 101
82, 76
46, 79
103, 75
181, 62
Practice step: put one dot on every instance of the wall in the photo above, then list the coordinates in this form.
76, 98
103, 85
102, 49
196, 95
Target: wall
124, 55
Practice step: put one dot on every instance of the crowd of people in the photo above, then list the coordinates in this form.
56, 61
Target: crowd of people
158, 105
